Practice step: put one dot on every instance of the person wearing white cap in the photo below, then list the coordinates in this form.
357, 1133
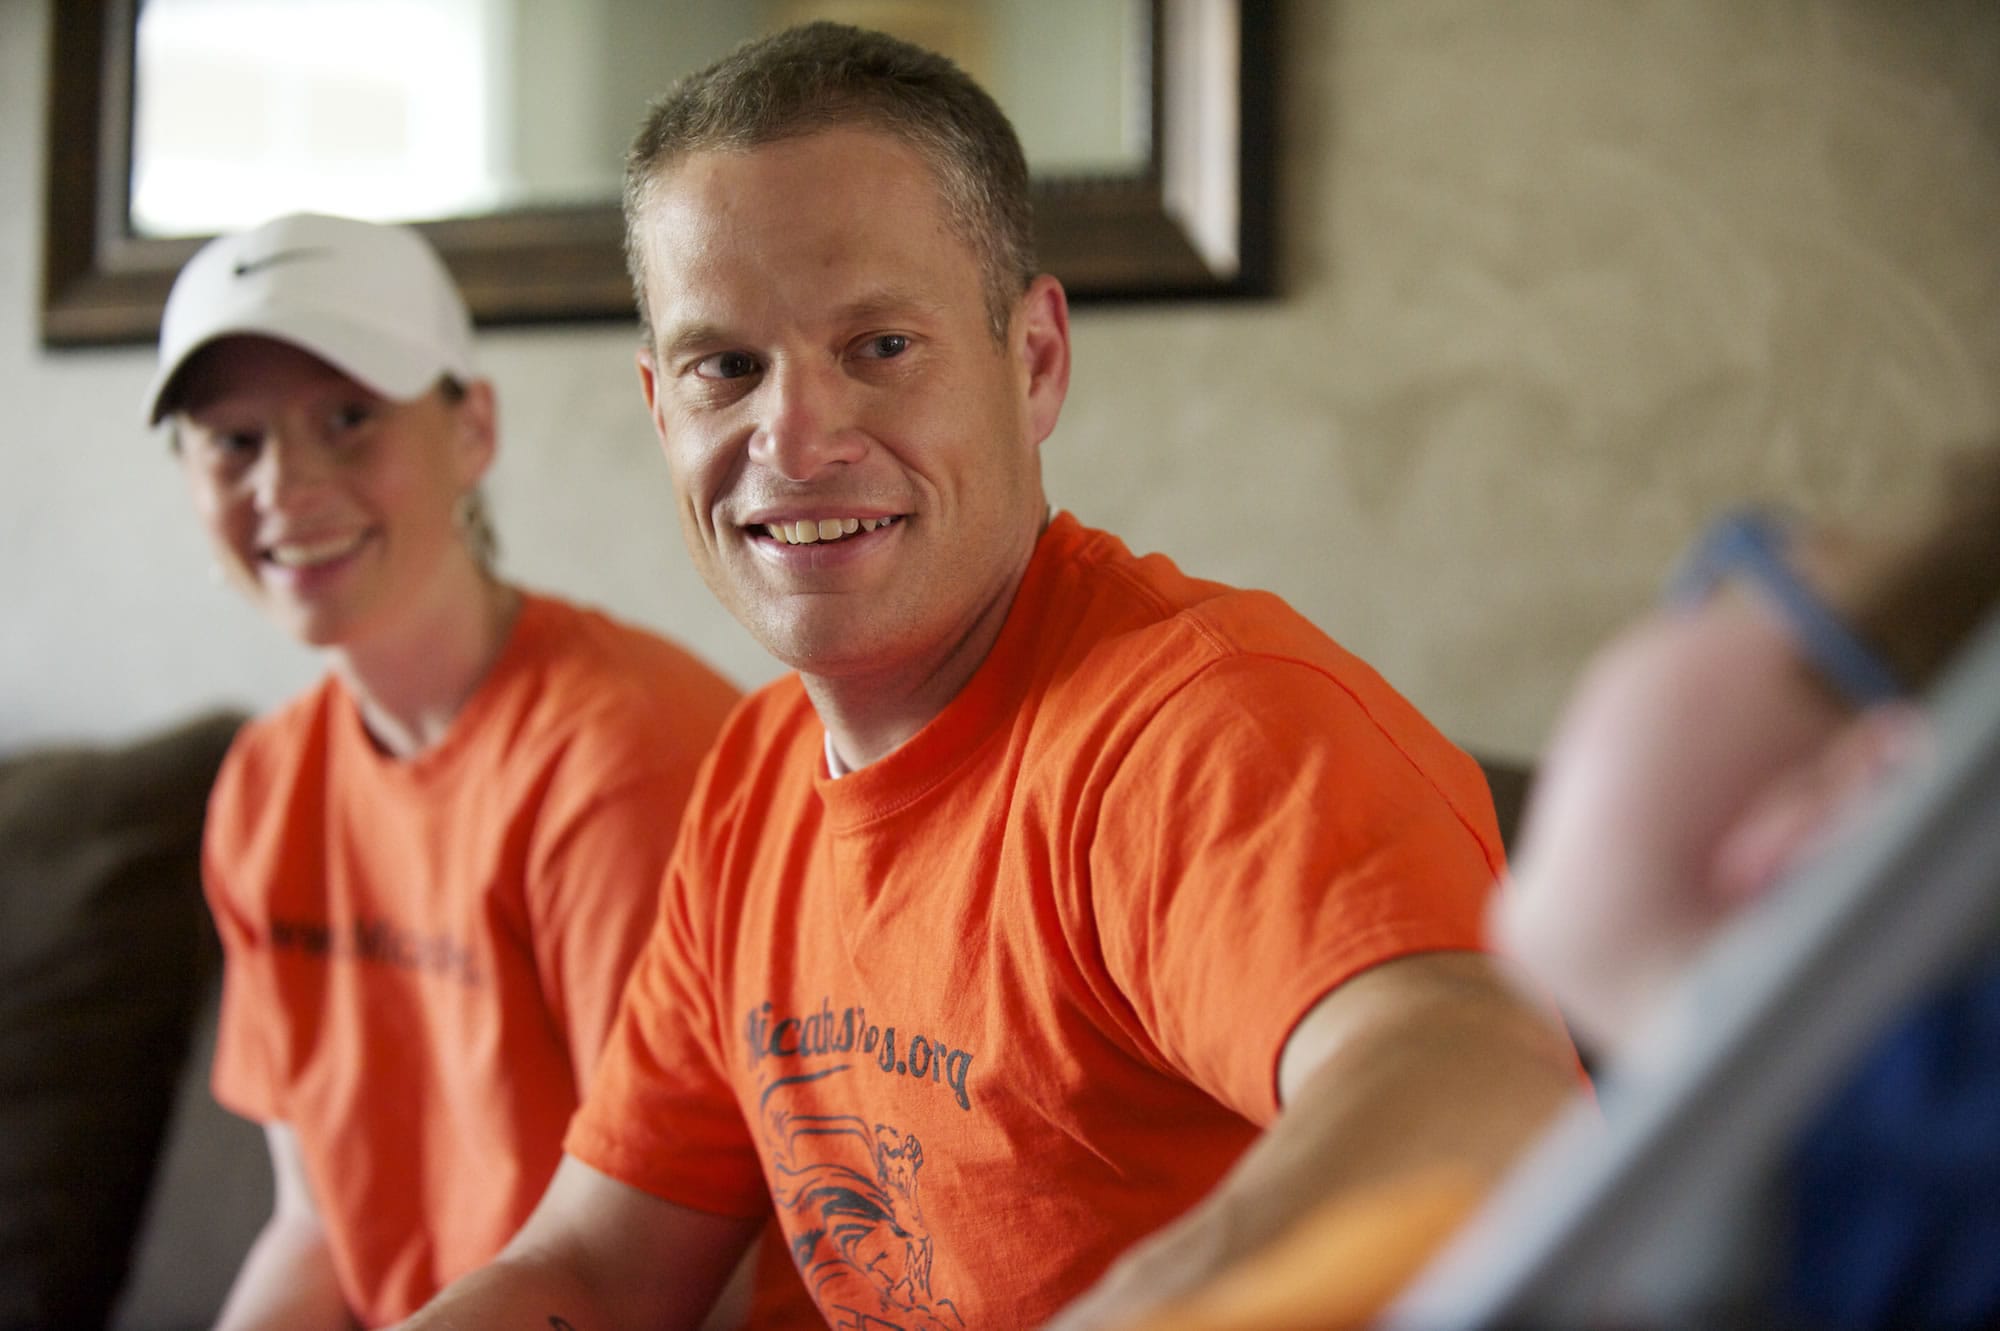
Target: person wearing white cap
431, 870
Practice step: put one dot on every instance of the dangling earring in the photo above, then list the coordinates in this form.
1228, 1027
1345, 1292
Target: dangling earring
469, 514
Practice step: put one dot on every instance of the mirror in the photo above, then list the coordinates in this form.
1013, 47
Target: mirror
1147, 125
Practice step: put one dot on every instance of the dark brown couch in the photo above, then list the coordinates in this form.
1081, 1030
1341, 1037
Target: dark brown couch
126, 1197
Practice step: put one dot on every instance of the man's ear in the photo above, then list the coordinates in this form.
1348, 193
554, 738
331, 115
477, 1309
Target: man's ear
1801, 813
649, 386
1042, 325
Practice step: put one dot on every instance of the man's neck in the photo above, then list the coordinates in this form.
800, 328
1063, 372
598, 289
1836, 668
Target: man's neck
869, 715
865, 720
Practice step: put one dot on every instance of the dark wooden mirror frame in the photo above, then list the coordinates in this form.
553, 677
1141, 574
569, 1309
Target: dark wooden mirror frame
1113, 238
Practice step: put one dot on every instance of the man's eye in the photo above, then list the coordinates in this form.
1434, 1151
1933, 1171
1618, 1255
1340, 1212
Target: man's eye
886, 346
726, 365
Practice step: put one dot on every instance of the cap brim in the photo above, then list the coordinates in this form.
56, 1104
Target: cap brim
380, 359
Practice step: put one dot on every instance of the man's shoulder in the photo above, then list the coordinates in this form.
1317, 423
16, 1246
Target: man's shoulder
1227, 654
777, 716
1135, 644
1141, 618
760, 771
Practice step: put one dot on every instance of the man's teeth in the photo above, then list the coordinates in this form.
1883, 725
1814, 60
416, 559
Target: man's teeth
806, 530
300, 554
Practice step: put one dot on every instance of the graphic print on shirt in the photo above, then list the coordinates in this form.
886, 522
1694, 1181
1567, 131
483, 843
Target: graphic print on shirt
377, 942
847, 1191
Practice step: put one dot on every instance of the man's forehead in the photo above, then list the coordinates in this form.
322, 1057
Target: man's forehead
714, 255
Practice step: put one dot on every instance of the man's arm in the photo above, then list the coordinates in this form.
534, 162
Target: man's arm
1425, 1060
287, 1279
597, 1255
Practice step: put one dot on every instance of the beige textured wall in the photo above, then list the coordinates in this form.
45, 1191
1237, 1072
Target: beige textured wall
1563, 277
1560, 278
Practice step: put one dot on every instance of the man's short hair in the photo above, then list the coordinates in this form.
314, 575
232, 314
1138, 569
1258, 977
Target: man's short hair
825, 75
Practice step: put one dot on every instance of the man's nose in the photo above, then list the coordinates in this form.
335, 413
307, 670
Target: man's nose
809, 424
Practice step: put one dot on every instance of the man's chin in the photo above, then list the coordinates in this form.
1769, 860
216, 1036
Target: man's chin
829, 650
824, 658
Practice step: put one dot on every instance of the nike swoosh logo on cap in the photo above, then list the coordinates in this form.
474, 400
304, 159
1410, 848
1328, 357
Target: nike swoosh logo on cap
245, 267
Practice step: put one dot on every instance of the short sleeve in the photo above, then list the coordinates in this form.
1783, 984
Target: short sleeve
243, 1076
660, 1114
1265, 839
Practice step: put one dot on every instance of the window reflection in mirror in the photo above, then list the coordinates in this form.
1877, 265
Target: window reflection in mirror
412, 110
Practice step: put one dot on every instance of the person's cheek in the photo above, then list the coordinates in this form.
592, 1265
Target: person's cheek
1796, 816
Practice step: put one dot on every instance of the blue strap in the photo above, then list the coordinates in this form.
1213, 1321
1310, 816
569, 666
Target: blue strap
1752, 542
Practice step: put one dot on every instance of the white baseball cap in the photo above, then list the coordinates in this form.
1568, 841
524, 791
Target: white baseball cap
371, 299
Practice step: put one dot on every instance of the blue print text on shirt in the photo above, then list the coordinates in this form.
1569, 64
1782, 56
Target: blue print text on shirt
827, 1033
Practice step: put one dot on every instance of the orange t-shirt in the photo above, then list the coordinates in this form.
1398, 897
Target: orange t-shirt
423, 957
985, 1012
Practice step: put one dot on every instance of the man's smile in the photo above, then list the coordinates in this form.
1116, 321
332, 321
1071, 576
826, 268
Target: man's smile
810, 531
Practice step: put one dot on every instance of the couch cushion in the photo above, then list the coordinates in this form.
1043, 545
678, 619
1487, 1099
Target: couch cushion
1510, 782
105, 951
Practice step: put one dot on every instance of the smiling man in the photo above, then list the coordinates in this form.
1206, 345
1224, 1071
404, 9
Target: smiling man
1064, 925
